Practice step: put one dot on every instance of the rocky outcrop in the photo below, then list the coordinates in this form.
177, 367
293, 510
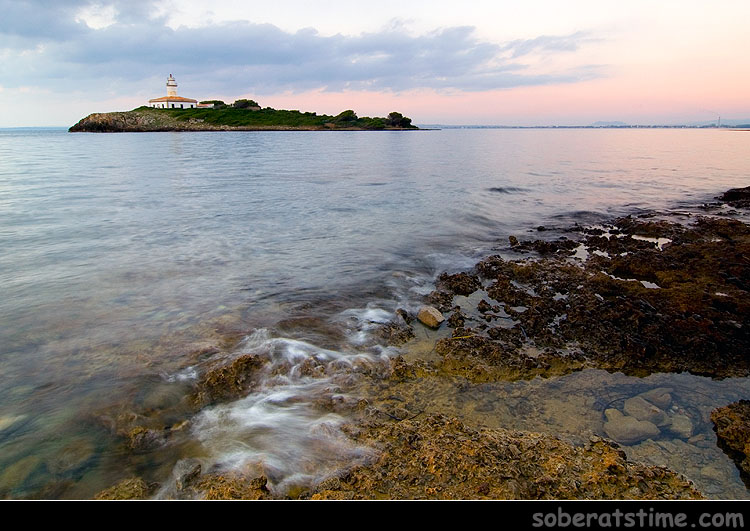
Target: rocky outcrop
732, 426
441, 458
644, 296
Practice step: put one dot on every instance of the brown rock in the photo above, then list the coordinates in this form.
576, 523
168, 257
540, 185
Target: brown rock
732, 426
127, 489
430, 316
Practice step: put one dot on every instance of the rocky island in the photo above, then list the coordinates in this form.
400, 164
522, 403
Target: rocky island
242, 115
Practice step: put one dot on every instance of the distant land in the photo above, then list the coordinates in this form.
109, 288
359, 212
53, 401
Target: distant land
243, 115
725, 124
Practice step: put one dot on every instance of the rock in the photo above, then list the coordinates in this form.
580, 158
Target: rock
430, 316
736, 194
732, 426
660, 397
127, 489
626, 429
439, 457
513, 241
185, 471
229, 380
640, 409
459, 284
681, 426
484, 306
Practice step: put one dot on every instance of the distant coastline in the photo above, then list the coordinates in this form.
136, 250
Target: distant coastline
146, 119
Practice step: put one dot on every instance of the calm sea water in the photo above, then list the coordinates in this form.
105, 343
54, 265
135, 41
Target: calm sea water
120, 254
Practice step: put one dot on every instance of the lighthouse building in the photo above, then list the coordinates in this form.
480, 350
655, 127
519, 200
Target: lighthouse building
172, 100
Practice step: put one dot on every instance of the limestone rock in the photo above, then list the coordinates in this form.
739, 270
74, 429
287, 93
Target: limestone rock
660, 397
626, 429
681, 426
127, 489
642, 410
732, 426
430, 316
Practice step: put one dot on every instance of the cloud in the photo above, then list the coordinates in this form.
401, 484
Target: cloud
259, 58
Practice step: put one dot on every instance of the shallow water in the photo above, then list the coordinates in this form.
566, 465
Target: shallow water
124, 254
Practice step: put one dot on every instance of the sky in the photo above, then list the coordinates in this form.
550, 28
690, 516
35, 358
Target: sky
536, 62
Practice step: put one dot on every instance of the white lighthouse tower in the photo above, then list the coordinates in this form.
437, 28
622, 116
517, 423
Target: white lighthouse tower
172, 100
171, 86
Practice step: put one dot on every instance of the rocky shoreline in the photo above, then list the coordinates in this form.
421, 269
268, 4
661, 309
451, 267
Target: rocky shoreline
640, 295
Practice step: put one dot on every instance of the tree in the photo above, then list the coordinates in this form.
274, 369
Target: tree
346, 116
245, 104
396, 119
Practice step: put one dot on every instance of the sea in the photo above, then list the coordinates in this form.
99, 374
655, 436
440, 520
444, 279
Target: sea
130, 262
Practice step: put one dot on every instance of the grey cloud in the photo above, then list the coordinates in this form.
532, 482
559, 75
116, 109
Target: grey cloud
262, 58
548, 44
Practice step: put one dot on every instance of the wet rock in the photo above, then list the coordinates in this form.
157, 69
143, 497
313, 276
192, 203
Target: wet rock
442, 300
457, 319
141, 439
438, 457
406, 316
736, 194
394, 333
229, 487
459, 284
127, 489
430, 316
628, 430
185, 471
660, 397
732, 426
513, 241
640, 409
230, 380
681, 426
484, 306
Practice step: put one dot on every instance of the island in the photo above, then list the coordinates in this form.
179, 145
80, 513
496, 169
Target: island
242, 115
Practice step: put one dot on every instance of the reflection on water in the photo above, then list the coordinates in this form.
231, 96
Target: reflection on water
127, 258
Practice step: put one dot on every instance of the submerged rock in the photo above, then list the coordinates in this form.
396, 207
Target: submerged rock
642, 410
628, 430
681, 426
660, 397
430, 316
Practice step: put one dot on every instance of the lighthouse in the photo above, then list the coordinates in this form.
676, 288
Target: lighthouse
171, 86
172, 100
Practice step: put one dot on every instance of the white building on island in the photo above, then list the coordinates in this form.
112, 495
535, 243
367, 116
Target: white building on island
172, 100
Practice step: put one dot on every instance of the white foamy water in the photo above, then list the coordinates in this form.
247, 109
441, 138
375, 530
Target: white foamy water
280, 429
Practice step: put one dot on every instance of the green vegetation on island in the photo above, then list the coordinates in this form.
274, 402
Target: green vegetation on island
241, 115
